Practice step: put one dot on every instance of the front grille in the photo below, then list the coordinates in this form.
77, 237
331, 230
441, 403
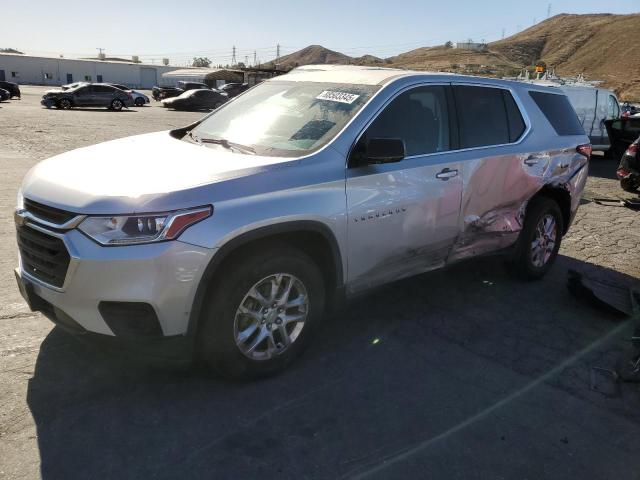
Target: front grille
43, 256
47, 213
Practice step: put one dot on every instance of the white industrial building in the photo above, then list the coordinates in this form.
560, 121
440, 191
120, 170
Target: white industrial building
476, 47
27, 69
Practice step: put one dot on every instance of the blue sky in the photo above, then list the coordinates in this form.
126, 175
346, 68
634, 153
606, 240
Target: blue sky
181, 30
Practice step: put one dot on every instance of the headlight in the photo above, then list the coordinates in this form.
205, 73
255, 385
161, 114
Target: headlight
143, 228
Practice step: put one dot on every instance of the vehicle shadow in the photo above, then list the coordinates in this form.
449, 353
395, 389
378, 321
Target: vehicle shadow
603, 167
391, 370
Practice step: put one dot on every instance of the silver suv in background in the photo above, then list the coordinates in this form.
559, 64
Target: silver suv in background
228, 238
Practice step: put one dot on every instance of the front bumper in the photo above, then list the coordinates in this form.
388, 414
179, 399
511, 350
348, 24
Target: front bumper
48, 102
163, 275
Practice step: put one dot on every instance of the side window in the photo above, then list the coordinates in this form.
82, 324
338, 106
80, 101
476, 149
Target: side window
614, 108
102, 89
559, 112
482, 116
419, 117
514, 117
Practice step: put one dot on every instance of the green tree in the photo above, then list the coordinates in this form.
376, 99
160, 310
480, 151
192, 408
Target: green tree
201, 62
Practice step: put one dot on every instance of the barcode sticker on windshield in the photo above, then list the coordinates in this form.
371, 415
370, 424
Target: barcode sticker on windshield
342, 97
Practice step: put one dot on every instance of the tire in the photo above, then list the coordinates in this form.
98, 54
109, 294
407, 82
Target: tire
139, 102
64, 104
223, 324
116, 104
529, 262
217, 105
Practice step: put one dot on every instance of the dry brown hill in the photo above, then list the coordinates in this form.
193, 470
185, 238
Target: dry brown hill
602, 46
313, 54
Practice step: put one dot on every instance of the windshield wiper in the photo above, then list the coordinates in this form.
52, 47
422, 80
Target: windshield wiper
227, 144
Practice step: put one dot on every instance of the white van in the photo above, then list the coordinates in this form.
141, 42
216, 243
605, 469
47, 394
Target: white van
593, 105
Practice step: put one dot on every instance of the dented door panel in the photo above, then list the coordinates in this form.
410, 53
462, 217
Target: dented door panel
403, 220
497, 189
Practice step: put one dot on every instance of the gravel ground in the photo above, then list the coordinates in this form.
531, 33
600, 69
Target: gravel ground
471, 375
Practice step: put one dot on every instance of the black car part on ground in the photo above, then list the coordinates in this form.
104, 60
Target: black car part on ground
622, 299
11, 87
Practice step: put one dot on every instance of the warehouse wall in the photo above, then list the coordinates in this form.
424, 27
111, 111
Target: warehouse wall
54, 71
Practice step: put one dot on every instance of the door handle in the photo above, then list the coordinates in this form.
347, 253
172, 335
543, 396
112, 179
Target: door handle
446, 174
531, 160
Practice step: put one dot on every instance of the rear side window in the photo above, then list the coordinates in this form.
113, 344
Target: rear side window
482, 116
559, 112
514, 117
101, 89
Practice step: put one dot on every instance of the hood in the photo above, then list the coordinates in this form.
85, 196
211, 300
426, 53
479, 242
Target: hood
122, 176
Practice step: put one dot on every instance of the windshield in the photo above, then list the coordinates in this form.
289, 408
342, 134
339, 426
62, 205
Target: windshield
279, 118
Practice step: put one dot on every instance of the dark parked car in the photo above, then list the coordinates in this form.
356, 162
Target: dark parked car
12, 88
622, 132
196, 100
629, 169
92, 95
158, 92
4, 95
193, 86
234, 89
139, 98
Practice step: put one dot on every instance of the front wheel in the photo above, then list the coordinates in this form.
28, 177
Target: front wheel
139, 102
539, 240
64, 104
117, 105
261, 313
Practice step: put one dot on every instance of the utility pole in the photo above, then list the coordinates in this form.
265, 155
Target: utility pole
246, 60
548, 10
100, 52
277, 53
503, 31
254, 58
233, 56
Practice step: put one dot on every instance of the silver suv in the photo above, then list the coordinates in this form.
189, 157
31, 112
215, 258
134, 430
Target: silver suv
228, 238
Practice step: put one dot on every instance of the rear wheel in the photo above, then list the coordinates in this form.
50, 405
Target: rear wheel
116, 105
64, 104
539, 240
262, 315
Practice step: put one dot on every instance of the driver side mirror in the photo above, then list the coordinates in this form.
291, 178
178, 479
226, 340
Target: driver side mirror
378, 151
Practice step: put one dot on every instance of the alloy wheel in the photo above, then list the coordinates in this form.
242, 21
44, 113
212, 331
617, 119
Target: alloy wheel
271, 316
544, 241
